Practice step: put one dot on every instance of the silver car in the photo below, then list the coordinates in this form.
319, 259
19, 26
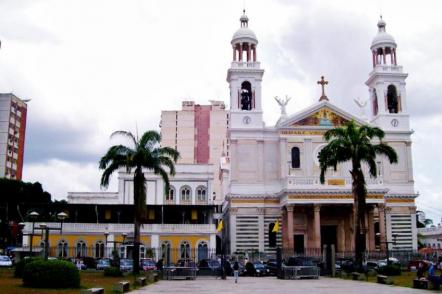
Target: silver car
5, 261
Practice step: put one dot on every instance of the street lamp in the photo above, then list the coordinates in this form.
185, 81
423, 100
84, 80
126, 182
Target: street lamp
61, 216
33, 216
387, 243
124, 235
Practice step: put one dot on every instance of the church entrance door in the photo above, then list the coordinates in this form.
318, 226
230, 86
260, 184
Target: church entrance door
299, 244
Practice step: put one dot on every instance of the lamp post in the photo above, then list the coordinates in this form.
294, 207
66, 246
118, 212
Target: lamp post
33, 216
124, 235
61, 216
387, 245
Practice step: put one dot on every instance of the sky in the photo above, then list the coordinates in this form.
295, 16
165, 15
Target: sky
91, 67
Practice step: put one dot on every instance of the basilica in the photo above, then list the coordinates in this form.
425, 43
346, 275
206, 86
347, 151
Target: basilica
258, 179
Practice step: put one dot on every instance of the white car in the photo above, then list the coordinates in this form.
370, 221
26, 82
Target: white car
5, 261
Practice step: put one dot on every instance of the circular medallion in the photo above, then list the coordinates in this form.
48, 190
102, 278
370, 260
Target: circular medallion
394, 122
246, 120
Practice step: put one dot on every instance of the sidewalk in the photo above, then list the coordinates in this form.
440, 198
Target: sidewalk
271, 285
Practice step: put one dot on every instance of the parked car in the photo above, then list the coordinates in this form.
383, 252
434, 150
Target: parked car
391, 260
5, 261
260, 269
147, 265
103, 263
186, 263
126, 265
272, 267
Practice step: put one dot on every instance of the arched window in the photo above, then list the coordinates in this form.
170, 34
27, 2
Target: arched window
80, 249
165, 252
186, 194
296, 161
201, 194
170, 197
99, 249
185, 249
392, 99
375, 103
62, 249
246, 102
203, 250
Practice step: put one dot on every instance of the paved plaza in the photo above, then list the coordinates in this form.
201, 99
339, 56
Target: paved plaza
271, 285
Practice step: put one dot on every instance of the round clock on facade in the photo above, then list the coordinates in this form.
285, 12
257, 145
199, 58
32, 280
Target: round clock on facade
246, 120
394, 122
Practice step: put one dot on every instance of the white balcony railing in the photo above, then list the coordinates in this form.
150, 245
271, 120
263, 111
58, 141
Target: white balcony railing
241, 64
300, 182
128, 228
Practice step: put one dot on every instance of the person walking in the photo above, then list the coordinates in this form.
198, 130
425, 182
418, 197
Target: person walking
236, 271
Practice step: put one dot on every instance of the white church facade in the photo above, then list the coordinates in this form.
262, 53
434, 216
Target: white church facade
272, 173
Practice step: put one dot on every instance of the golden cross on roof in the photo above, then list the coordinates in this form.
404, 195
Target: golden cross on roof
323, 82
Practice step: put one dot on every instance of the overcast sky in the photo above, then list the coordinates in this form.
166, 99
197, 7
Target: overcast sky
92, 67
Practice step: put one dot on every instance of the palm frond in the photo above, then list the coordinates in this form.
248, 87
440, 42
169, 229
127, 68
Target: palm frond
170, 152
160, 171
388, 151
126, 134
150, 139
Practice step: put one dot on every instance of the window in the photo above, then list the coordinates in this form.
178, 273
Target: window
296, 162
246, 96
99, 249
171, 195
62, 249
185, 249
203, 250
165, 252
80, 249
201, 193
142, 251
185, 193
392, 99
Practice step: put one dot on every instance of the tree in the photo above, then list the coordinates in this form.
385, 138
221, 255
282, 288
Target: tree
354, 143
144, 153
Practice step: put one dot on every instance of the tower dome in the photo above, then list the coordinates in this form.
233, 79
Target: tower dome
244, 34
382, 46
382, 39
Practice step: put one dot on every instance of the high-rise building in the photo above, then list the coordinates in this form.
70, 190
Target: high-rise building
199, 133
12, 135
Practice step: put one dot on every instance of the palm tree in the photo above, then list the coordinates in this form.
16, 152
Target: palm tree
354, 143
144, 153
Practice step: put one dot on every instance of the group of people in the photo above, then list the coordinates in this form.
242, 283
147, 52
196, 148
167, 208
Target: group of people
432, 276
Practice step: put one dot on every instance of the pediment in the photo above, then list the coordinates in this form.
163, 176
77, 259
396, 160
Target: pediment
322, 114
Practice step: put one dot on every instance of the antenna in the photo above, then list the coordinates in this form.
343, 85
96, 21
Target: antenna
136, 129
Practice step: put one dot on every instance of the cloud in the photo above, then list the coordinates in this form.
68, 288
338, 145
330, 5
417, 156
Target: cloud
93, 67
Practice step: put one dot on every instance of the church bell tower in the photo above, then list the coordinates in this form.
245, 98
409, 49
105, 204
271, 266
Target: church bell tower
244, 77
386, 82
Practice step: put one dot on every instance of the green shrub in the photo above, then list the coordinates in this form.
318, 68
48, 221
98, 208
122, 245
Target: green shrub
19, 266
390, 270
51, 274
112, 272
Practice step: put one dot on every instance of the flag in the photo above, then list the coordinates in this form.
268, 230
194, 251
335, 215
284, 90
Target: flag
220, 226
276, 227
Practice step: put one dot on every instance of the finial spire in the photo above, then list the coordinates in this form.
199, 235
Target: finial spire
323, 82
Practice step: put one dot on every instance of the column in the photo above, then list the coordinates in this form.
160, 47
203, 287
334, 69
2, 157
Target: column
284, 229
394, 53
290, 236
155, 245
374, 58
383, 55
234, 54
317, 225
381, 209
248, 53
341, 236
240, 52
262, 229
371, 235
391, 56
232, 228
254, 54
